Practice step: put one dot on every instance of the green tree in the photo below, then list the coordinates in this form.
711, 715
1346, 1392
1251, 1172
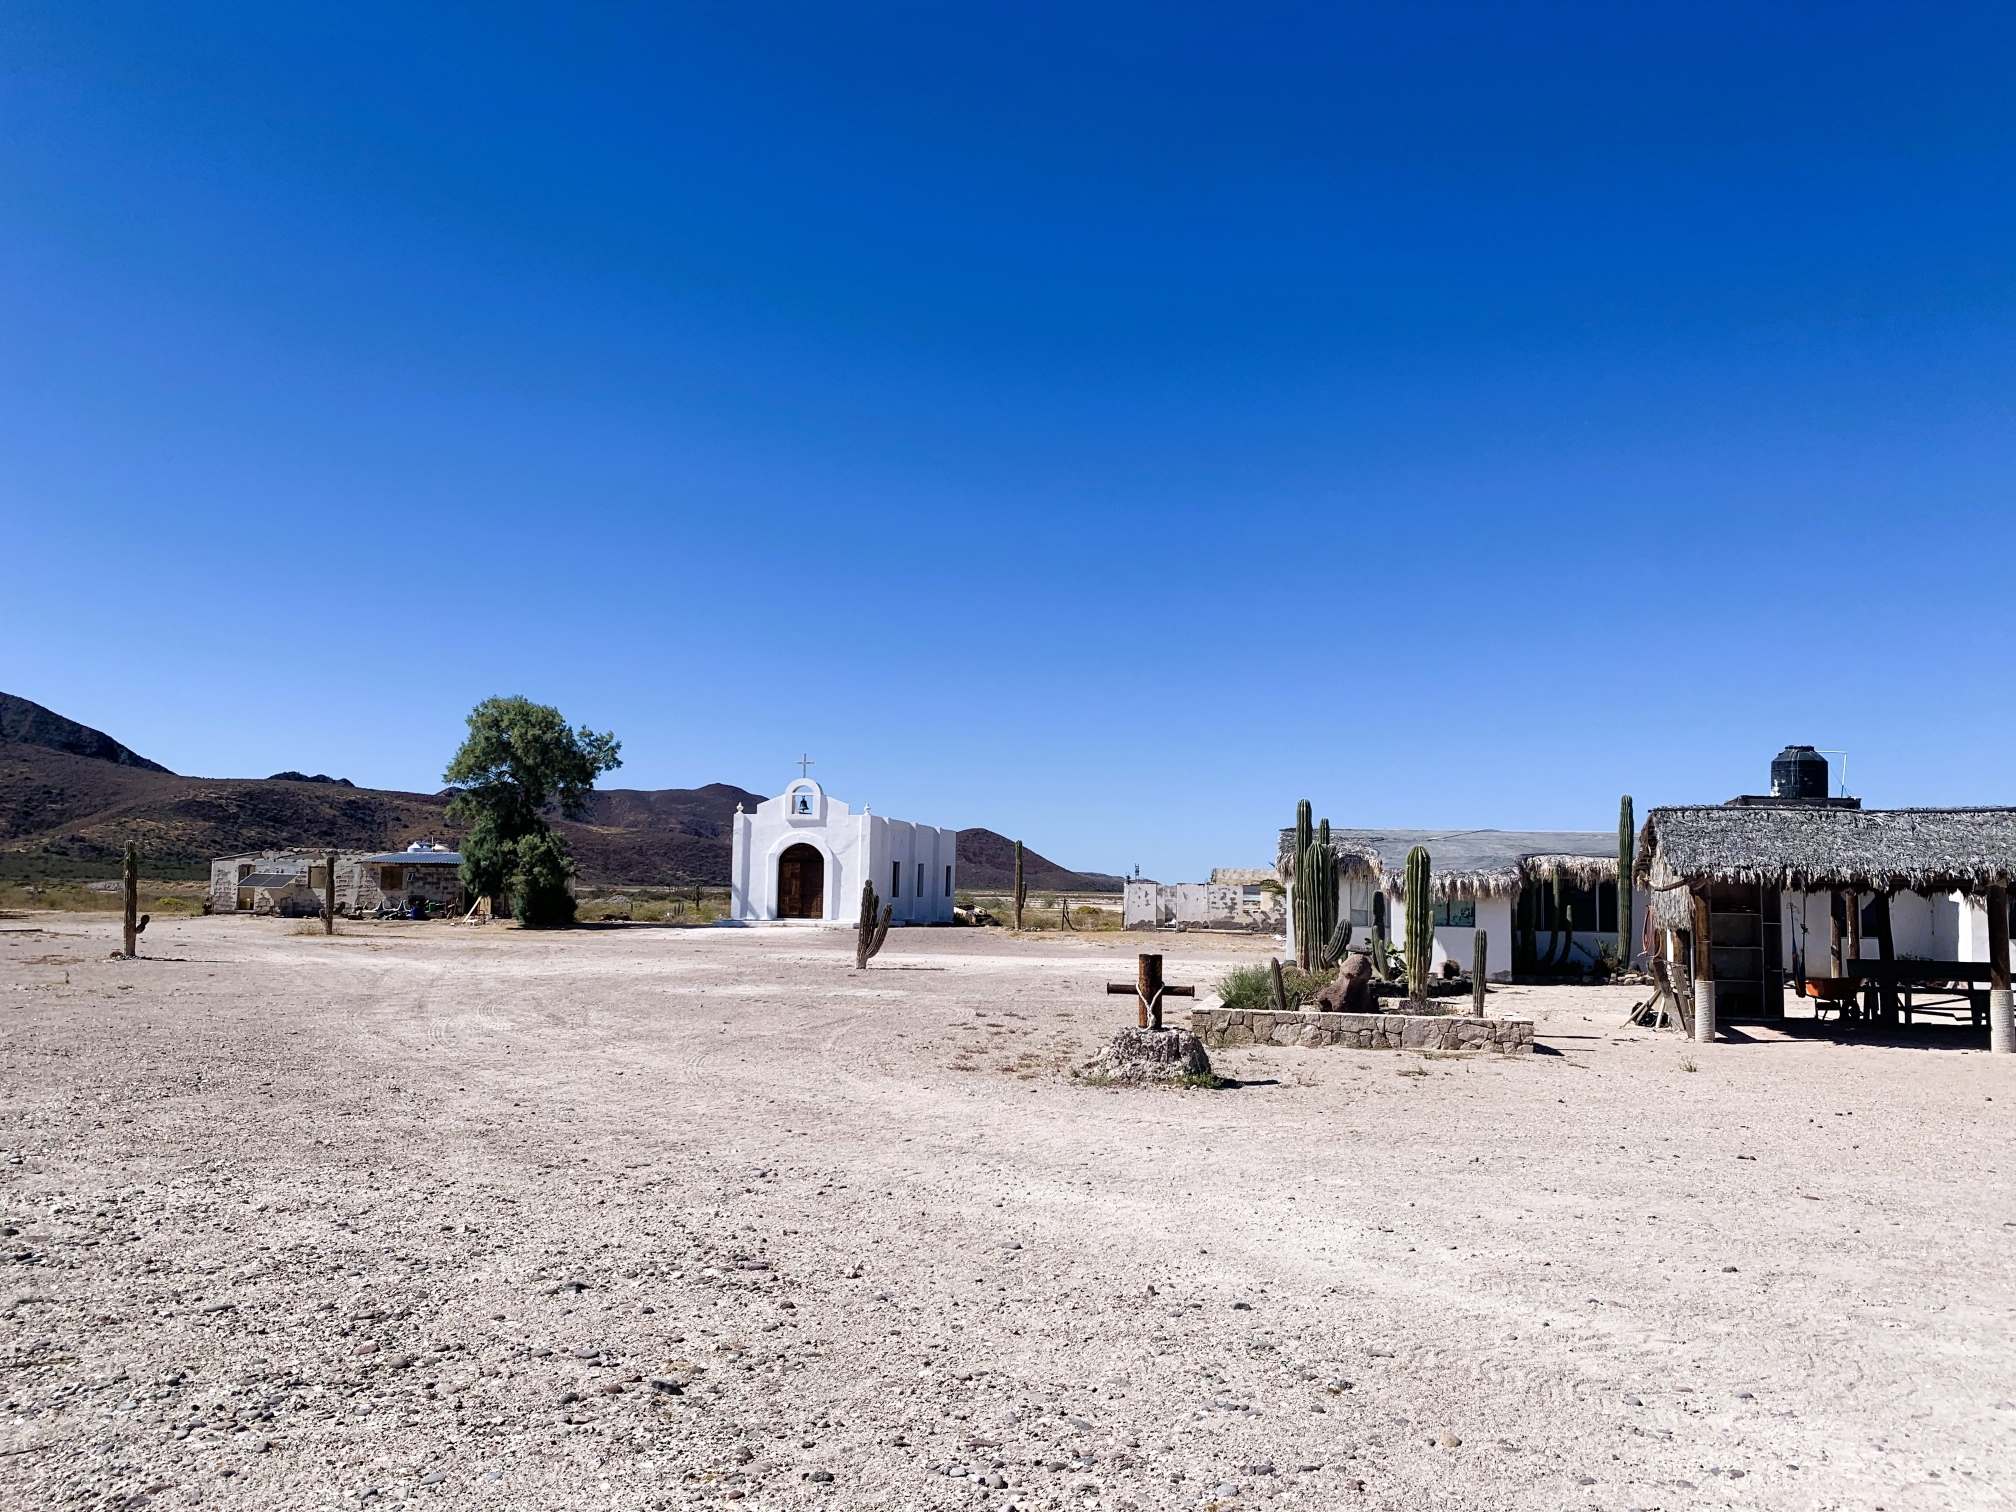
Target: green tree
519, 763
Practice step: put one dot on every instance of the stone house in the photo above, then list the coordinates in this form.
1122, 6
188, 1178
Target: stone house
290, 882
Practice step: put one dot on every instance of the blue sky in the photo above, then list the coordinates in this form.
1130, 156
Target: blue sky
1103, 424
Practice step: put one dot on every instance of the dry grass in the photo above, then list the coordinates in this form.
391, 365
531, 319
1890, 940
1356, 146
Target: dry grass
162, 898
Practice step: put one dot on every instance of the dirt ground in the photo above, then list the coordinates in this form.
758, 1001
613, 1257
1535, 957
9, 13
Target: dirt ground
636, 1217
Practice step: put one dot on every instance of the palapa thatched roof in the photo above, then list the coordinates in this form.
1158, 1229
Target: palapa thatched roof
1807, 849
1466, 863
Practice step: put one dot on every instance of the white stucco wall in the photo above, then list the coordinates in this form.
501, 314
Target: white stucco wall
1943, 927
914, 867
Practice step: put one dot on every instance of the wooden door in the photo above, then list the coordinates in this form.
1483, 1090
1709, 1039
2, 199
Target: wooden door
801, 884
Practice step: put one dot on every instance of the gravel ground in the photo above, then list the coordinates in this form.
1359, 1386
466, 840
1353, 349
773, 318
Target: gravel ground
640, 1217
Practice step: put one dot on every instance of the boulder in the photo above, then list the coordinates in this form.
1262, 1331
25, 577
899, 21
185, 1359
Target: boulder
1145, 1056
1351, 992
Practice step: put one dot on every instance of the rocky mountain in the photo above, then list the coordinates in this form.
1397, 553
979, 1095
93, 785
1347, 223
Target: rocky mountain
31, 724
987, 860
71, 797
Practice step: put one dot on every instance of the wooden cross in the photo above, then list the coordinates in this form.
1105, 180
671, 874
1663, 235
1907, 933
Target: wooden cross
1148, 990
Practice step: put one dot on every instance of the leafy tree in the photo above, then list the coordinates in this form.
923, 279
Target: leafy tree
520, 762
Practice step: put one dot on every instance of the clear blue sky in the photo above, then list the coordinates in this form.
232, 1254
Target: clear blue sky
1102, 424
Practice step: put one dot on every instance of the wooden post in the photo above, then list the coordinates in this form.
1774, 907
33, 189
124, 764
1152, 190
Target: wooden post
329, 896
1998, 938
1479, 954
1886, 950
1704, 968
1836, 930
1148, 990
2001, 1002
132, 875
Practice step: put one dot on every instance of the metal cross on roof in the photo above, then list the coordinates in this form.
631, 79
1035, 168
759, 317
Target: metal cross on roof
805, 762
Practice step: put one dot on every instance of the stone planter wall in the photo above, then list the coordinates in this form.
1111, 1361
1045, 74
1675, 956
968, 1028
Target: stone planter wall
1221, 1027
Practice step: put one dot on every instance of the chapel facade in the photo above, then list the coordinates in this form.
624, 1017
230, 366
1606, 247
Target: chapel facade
802, 857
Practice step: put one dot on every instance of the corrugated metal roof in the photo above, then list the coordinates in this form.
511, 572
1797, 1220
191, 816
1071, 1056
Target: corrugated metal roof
415, 858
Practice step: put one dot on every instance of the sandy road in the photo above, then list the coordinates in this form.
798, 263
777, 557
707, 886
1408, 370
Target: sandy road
638, 1217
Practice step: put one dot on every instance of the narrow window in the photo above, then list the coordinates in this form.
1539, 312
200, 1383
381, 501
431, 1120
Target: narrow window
896, 879
948, 889
920, 880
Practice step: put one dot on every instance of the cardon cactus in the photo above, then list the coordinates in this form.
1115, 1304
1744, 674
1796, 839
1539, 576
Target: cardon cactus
874, 926
1627, 836
1021, 887
1420, 923
1305, 889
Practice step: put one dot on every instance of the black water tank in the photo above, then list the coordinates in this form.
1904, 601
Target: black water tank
1799, 772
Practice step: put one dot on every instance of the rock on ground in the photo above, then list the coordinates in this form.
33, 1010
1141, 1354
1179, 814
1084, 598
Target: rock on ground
1149, 1055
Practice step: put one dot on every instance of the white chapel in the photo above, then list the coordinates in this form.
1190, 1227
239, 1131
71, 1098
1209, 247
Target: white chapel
803, 856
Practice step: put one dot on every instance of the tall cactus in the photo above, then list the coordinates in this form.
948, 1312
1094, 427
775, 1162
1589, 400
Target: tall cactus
1021, 888
1420, 923
1379, 937
873, 927
1305, 886
1480, 956
1627, 839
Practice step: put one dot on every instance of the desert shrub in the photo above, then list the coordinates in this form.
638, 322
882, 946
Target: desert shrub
1252, 987
1246, 987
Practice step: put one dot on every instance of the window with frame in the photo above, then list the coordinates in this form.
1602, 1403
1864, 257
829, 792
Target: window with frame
1456, 913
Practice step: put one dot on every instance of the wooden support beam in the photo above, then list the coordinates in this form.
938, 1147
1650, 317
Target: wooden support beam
1886, 950
1704, 938
1998, 938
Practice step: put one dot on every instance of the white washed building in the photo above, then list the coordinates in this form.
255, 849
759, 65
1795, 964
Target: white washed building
803, 856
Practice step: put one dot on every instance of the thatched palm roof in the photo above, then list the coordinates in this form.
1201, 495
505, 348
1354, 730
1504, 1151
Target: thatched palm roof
1466, 863
1813, 849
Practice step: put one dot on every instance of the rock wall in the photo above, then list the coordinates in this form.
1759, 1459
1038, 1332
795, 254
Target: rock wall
1220, 1027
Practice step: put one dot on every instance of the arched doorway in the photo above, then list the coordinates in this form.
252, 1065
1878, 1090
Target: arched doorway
801, 883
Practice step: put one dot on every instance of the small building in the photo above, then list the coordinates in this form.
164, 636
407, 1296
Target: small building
285, 882
1546, 899
422, 873
803, 857
1236, 898
1797, 886
292, 882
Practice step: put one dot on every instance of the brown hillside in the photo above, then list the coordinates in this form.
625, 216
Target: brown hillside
65, 815
987, 860
31, 724
71, 797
